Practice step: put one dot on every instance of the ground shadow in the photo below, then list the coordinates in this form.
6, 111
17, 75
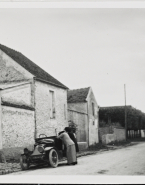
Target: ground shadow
45, 166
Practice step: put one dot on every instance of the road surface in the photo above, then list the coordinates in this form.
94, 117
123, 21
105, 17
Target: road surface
125, 161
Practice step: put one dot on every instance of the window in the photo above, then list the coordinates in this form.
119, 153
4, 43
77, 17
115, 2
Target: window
93, 111
52, 104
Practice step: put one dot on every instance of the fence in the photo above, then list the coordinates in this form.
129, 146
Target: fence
133, 134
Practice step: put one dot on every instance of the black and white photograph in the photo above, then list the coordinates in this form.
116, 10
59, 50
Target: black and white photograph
72, 92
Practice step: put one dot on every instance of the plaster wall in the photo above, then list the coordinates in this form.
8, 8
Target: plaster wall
93, 119
104, 131
18, 95
81, 121
11, 71
117, 136
120, 134
45, 124
17, 129
108, 138
0, 122
5, 85
79, 107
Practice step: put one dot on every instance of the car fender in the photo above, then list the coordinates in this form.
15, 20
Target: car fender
48, 148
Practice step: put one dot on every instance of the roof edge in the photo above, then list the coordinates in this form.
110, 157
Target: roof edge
18, 106
78, 102
30, 66
51, 83
78, 89
116, 106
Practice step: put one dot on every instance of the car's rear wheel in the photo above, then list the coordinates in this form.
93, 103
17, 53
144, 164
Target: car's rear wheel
53, 158
24, 162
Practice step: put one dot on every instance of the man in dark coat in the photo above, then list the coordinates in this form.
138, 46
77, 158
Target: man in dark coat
71, 135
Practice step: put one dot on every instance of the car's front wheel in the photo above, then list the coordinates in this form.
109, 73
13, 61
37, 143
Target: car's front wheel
24, 162
53, 158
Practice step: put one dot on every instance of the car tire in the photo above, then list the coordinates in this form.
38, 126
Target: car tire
53, 158
23, 162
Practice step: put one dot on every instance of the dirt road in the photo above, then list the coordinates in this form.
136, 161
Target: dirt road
126, 161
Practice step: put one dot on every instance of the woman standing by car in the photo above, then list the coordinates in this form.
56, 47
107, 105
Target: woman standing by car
70, 148
73, 138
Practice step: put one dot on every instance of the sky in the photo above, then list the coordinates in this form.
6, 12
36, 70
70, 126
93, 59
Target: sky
83, 47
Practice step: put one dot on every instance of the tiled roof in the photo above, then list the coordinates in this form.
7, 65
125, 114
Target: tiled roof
31, 66
115, 107
77, 95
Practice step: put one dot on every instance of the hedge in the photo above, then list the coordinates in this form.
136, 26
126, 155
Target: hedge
135, 117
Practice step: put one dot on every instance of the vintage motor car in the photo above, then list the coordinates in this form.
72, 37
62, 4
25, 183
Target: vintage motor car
47, 150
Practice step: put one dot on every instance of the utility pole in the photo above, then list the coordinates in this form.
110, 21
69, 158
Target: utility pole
125, 112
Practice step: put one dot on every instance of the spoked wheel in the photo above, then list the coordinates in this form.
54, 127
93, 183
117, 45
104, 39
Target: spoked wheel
24, 162
53, 158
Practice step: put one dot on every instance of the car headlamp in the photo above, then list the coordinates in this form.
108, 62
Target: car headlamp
40, 149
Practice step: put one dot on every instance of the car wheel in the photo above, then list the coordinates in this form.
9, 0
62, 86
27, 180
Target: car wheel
53, 158
24, 162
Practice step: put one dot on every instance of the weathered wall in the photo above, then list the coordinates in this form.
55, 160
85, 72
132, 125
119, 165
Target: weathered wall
111, 134
11, 71
88, 120
18, 95
17, 130
81, 120
108, 138
93, 119
77, 112
4, 85
44, 124
0, 123
104, 131
12, 74
79, 107
120, 134
117, 131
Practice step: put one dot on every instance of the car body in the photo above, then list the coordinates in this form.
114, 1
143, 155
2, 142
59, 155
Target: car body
47, 150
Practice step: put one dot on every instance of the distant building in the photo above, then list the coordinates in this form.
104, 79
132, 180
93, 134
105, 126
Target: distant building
83, 111
32, 102
114, 116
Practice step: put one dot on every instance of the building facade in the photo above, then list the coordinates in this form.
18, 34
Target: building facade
31, 102
83, 111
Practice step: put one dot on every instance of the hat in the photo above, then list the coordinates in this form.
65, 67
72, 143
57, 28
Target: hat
67, 129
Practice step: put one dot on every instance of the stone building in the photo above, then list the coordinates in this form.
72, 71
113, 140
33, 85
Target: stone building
83, 111
32, 102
